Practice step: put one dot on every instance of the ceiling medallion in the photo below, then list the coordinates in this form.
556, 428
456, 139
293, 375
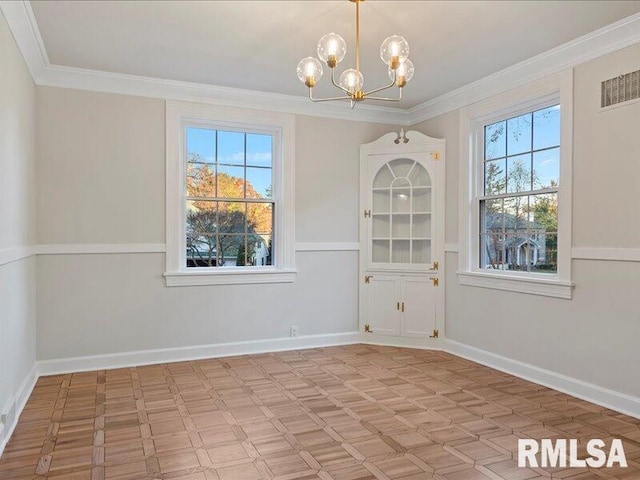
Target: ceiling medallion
332, 49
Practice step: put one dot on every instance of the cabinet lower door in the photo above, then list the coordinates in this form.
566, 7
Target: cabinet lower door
382, 295
419, 316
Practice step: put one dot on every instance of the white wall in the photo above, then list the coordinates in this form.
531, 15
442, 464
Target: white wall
17, 223
101, 164
594, 336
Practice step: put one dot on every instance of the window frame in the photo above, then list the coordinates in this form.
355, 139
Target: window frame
180, 116
552, 90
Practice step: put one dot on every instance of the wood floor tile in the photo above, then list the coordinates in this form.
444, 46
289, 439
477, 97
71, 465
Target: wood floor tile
356, 412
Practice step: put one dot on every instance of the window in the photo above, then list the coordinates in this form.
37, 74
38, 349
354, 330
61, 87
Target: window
229, 203
515, 181
229, 196
519, 203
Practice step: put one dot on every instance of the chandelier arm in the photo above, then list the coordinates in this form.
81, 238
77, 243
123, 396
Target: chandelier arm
386, 99
329, 99
380, 89
333, 81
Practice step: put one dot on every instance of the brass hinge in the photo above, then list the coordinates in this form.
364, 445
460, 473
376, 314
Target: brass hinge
367, 329
367, 213
367, 278
435, 266
436, 282
435, 334
435, 155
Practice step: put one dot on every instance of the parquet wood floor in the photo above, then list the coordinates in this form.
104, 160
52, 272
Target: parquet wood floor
356, 412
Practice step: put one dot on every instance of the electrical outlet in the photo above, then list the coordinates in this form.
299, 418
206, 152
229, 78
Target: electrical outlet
293, 331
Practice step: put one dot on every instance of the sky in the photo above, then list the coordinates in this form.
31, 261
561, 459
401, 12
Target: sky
228, 151
513, 137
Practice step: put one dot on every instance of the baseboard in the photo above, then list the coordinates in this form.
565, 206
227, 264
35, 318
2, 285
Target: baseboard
620, 402
16, 405
420, 343
150, 357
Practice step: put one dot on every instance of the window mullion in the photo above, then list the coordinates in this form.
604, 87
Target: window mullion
519, 194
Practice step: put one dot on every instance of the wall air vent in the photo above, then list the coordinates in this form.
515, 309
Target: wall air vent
620, 89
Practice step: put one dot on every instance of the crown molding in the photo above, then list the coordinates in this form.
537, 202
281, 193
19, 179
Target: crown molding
83, 79
24, 28
610, 38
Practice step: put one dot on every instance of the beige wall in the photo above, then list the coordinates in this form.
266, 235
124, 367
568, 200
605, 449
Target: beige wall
17, 220
593, 337
606, 168
101, 165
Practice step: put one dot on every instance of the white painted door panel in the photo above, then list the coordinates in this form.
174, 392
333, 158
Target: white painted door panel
382, 299
419, 305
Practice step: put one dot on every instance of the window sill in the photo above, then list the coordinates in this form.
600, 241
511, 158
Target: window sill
515, 283
229, 277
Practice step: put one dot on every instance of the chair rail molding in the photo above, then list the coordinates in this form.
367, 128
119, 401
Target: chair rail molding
14, 254
606, 254
327, 247
99, 248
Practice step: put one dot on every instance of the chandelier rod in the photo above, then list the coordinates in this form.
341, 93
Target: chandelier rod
358, 35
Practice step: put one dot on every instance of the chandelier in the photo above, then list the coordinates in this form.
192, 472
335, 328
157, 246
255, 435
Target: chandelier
394, 52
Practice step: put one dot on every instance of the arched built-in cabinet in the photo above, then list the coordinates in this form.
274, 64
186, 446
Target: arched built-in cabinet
402, 236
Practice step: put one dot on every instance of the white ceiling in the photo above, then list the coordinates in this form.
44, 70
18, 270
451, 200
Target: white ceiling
256, 45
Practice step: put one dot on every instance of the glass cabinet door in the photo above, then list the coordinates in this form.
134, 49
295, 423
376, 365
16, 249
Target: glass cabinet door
401, 214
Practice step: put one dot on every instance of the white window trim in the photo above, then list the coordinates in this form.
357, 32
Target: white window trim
557, 88
178, 116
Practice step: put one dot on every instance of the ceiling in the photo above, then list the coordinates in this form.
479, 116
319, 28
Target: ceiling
256, 45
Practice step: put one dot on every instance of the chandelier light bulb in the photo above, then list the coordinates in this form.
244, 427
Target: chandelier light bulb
309, 71
332, 49
351, 80
394, 51
403, 74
